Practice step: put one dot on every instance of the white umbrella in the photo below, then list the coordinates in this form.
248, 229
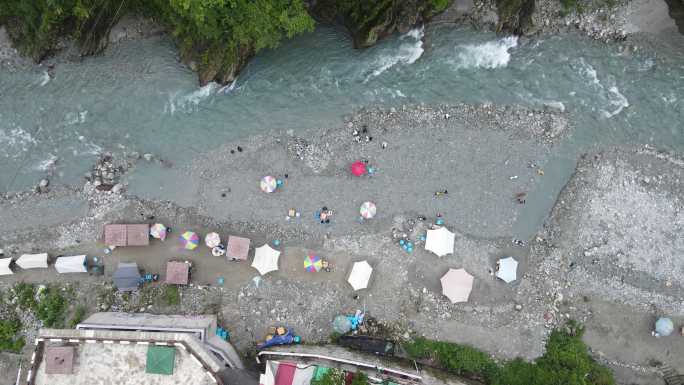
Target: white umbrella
265, 259
457, 285
440, 241
360, 275
212, 240
5, 266
368, 210
508, 269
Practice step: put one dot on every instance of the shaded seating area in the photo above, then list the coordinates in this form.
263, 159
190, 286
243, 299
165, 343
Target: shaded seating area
127, 277
73, 264
238, 248
178, 273
33, 261
120, 235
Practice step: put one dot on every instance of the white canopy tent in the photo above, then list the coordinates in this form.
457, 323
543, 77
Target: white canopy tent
74, 264
360, 275
33, 261
265, 259
508, 269
440, 241
5, 266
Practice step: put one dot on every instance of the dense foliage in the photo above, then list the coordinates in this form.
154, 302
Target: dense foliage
220, 35
370, 20
566, 361
51, 307
9, 328
217, 35
337, 377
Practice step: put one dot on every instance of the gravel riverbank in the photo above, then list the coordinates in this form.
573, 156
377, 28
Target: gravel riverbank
483, 155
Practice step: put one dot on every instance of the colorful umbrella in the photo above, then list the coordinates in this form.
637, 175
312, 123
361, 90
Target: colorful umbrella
358, 168
268, 184
313, 263
212, 240
158, 231
189, 240
368, 210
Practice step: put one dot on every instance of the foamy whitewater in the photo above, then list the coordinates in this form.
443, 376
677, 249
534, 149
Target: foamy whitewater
489, 55
410, 50
138, 97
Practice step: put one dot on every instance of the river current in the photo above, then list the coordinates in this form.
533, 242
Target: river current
137, 97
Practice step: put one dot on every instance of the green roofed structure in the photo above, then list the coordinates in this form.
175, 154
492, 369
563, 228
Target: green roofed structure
160, 359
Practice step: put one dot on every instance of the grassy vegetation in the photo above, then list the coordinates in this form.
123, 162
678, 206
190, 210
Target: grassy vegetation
9, 328
171, 295
26, 296
51, 307
337, 377
566, 361
78, 316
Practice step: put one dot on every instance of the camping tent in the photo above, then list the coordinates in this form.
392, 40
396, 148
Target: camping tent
457, 285
5, 266
440, 241
33, 261
508, 269
265, 259
360, 275
127, 277
75, 264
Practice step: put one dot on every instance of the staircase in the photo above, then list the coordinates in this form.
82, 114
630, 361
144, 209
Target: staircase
670, 376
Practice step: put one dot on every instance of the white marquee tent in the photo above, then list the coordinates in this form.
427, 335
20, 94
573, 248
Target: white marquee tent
75, 264
4, 266
33, 261
265, 259
360, 275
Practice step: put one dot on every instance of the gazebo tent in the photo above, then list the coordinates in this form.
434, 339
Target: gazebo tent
265, 259
5, 266
237, 248
115, 235
177, 273
127, 277
360, 275
33, 261
160, 359
74, 264
440, 241
138, 235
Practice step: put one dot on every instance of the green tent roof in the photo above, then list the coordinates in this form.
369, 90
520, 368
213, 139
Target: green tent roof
160, 359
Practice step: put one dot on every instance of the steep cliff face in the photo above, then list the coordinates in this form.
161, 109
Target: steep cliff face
370, 20
515, 16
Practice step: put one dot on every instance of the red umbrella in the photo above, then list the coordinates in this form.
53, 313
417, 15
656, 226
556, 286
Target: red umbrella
358, 168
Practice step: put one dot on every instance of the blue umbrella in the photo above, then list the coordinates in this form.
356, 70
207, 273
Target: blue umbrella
664, 326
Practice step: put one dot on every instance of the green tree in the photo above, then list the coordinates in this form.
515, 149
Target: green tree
9, 328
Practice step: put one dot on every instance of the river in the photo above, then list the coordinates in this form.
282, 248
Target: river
137, 97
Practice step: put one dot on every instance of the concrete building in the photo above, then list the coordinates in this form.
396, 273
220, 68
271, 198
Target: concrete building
201, 327
128, 349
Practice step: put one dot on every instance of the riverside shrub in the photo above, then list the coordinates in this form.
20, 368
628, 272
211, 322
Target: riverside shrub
566, 361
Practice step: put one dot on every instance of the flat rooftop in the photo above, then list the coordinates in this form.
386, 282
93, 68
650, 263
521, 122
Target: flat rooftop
117, 364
